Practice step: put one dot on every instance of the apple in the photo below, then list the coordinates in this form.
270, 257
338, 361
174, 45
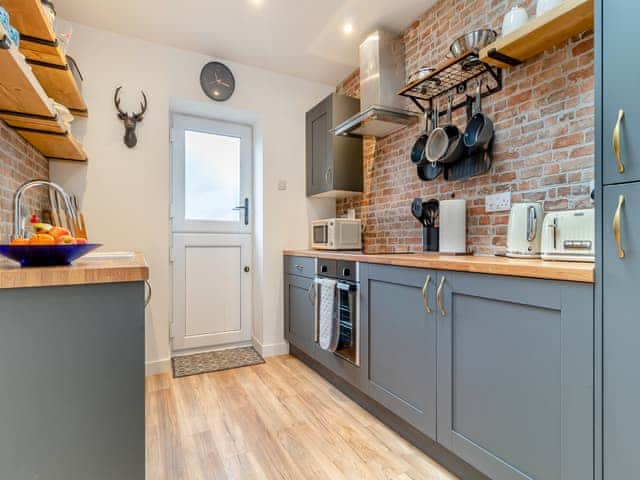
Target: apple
81, 241
57, 232
65, 240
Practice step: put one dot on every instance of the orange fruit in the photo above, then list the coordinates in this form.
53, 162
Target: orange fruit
81, 241
42, 239
20, 241
57, 232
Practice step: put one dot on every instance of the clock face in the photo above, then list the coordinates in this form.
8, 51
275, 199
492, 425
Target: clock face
217, 81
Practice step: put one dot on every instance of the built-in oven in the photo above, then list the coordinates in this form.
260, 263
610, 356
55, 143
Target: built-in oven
347, 306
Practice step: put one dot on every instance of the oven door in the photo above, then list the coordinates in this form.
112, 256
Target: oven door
348, 316
320, 234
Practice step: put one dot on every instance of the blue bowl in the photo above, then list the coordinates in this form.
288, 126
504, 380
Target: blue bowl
46, 255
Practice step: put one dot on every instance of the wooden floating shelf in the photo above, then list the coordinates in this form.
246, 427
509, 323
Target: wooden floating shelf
568, 19
25, 106
40, 46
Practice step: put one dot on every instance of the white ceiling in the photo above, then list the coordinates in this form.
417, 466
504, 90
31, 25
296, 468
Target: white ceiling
304, 38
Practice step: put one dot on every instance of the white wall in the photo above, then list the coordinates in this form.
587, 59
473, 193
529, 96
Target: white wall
125, 193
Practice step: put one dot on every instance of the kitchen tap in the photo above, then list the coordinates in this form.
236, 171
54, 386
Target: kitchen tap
18, 228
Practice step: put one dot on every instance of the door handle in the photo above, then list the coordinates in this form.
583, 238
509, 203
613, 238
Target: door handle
328, 177
443, 312
616, 141
425, 300
244, 207
616, 227
147, 300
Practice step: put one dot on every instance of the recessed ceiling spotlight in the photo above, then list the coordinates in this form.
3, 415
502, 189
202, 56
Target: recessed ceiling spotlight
348, 28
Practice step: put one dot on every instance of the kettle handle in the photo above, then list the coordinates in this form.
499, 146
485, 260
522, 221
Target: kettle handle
532, 223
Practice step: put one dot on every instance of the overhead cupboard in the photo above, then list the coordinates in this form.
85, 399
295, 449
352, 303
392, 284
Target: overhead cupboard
497, 370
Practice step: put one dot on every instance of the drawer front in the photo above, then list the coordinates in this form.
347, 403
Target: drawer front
302, 266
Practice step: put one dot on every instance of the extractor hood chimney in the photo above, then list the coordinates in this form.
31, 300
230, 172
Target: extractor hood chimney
382, 75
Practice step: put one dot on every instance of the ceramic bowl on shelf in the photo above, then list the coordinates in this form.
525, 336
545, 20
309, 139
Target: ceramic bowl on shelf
514, 19
46, 255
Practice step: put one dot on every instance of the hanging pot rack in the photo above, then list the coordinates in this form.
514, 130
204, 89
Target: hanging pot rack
452, 78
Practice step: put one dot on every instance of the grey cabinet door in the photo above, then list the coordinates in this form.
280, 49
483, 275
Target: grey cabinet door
515, 376
619, 81
401, 347
621, 334
319, 147
299, 312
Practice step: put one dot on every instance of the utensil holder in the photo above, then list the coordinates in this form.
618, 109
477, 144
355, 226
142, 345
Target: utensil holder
430, 239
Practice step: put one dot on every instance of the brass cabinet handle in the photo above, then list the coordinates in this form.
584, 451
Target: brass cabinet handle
616, 227
425, 300
443, 312
147, 300
616, 141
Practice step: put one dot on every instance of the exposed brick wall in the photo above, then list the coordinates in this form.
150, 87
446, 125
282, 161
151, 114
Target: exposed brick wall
19, 162
544, 145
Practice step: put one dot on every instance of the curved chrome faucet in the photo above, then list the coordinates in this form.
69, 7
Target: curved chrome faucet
18, 229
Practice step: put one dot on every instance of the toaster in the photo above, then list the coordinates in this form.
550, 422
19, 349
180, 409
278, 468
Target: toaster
569, 235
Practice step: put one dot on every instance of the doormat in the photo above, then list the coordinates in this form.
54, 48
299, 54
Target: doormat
215, 361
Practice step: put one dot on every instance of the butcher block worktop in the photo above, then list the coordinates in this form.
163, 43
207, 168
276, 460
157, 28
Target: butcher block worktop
532, 268
84, 271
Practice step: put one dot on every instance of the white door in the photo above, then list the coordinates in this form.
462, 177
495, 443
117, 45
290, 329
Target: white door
211, 217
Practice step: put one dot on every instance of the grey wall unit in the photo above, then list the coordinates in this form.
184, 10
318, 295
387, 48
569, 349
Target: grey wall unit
515, 376
72, 382
621, 349
401, 344
619, 24
334, 164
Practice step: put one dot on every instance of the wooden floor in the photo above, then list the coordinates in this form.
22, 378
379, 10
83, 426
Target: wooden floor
278, 420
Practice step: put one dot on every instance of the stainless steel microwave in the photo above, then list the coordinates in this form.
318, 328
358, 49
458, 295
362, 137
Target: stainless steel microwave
336, 234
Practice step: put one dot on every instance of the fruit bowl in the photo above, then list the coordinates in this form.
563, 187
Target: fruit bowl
46, 255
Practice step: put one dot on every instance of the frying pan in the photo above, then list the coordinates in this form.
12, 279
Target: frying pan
479, 131
417, 152
418, 211
445, 143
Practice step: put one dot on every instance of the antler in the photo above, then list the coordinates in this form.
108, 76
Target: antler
116, 100
143, 106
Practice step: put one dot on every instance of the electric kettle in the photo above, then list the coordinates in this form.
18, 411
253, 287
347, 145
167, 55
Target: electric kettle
524, 233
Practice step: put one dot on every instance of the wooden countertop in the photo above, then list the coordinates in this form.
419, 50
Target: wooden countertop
83, 272
532, 268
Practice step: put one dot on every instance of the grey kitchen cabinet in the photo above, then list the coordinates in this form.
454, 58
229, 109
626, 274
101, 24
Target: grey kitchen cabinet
621, 333
515, 375
334, 164
401, 344
72, 395
620, 75
300, 312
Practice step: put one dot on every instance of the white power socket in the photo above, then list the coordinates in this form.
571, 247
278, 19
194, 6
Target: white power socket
497, 202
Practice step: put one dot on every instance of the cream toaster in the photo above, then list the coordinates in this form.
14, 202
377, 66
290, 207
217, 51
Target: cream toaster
569, 235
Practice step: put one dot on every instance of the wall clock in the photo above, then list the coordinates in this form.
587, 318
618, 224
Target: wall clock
217, 81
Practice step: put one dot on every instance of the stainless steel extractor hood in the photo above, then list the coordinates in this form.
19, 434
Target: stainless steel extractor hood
382, 75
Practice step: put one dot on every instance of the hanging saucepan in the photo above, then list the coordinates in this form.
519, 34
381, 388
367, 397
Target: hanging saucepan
479, 132
445, 143
417, 152
430, 170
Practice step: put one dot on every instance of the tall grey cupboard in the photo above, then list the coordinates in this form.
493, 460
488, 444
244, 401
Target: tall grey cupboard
618, 254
